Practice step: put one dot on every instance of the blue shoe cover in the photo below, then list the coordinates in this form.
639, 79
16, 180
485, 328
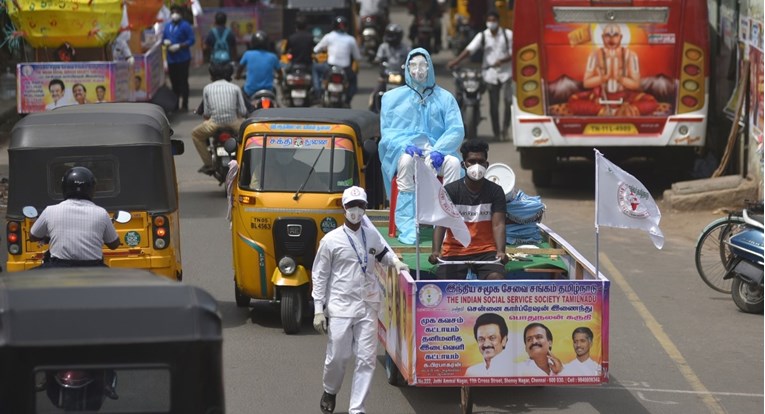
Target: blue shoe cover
405, 218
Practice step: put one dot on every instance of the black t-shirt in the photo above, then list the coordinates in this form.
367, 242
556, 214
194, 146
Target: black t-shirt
300, 44
476, 210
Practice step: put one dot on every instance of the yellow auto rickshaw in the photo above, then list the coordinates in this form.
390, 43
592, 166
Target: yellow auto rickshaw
128, 148
293, 165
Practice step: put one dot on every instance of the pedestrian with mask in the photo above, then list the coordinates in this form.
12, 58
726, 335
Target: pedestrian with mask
496, 44
419, 119
178, 36
346, 297
482, 206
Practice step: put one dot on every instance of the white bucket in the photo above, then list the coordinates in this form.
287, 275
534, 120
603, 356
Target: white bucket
504, 176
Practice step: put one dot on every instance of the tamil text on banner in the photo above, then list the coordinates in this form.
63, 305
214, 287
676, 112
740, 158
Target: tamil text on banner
623, 201
434, 205
483, 333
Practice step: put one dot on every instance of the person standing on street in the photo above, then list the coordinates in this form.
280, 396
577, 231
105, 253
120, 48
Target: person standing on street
496, 43
342, 51
179, 37
346, 291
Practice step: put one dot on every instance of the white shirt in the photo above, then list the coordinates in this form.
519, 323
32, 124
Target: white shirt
338, 279
371, 7
340, 47
77, 229
501, 366
578, 368
224, 103
529, 368
494, 49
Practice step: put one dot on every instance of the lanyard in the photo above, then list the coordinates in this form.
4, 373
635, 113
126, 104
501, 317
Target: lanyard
364, 252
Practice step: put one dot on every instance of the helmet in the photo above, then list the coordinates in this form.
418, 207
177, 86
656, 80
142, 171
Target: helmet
340, 23
221, 71
78, 182
259, 40
393, 33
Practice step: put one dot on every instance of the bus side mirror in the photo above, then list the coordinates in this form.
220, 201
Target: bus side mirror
370, 147
230, 145
177, 146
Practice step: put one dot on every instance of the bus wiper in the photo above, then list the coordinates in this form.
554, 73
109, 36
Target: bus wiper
310, 172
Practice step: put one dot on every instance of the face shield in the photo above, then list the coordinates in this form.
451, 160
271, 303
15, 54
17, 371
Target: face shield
418, 69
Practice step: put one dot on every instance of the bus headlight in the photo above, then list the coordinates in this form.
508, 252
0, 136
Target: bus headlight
683, 130
536, 132
287, 265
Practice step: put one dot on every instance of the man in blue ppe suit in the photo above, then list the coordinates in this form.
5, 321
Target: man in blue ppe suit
423, 120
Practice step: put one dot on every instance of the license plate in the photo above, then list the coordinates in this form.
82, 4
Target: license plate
335, 87
610, 129
298, 93
221, 152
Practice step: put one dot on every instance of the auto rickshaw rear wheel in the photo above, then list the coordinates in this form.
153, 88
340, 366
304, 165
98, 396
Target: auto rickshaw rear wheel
292, 308
242, 300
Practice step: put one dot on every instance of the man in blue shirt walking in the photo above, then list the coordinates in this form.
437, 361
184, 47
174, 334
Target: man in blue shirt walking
179, 37
260, 63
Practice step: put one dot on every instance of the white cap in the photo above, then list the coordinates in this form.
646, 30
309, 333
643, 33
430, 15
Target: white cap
354, 193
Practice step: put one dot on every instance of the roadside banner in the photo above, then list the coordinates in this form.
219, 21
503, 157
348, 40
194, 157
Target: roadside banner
622, 201
434, 205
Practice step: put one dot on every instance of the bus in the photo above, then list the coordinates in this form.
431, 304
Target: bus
629, 77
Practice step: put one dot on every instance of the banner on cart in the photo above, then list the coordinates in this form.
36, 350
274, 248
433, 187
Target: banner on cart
395, 318
46, 86
148, 74
511, 333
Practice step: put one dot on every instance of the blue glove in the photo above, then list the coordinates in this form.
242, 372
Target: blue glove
437, 159
412, 150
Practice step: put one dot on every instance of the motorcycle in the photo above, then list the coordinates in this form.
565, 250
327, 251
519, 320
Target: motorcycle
745, 265
335, 86
390, 77
79, 390
463, 34
469, 87
219, 157
296, 86
371, 35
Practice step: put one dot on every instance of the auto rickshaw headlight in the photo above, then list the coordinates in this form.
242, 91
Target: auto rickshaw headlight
14, 249
160, 244
287, 265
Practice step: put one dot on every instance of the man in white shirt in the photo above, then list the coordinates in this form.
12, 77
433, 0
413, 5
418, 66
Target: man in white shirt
346, 290
541, 363
582, 365
58, 94
490, 331
342, 51
496, 43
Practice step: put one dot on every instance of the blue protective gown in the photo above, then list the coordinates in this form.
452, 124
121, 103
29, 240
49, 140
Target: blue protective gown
412, 111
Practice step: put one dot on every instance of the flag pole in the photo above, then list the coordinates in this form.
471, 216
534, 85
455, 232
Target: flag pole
416, 226
597, 229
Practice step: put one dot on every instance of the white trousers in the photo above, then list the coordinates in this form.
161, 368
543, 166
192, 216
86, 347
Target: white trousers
450, 170
357, 336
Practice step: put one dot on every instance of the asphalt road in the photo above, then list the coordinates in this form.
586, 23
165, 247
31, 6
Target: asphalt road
675, 345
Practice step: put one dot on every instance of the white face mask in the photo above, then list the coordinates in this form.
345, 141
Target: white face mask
354, 214
418, 69
492, 25
476, 172
175, 17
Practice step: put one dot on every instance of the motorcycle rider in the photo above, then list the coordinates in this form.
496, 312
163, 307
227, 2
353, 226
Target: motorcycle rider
222, 106
392, 51
496, 43
431, 10
342, 51
261, 65
420, 119
378, 8
76, 227
300, 44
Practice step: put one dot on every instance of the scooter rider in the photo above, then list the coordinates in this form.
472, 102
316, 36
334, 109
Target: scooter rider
76, 227
342, 51
222, 106
421, 119
346, 290
261, 65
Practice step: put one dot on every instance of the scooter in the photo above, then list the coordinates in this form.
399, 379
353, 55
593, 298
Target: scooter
296, 86
390, 77
263, 99
371, 35
469, 88
745, 266
335, 86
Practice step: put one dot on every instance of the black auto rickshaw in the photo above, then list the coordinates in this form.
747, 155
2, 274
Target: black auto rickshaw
128, 148
108, 340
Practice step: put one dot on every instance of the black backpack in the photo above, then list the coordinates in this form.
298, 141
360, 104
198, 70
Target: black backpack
220, 53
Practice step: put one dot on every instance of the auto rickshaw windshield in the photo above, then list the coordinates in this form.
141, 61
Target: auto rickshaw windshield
284, 163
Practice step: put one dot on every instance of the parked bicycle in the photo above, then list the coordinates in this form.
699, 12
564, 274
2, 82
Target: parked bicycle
713, 254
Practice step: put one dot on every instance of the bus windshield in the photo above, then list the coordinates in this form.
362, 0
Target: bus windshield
284, 163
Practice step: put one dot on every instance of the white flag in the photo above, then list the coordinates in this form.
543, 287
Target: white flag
623, 201
434, 205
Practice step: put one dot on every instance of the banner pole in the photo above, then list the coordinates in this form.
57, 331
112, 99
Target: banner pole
597, 229
416, 225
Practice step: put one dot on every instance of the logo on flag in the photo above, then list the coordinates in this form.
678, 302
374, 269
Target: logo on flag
630, 203
443, 213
